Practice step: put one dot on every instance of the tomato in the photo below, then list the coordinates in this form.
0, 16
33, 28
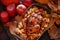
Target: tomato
11, 10
7, 2
17, 1
4, 17
27, 2
20, 9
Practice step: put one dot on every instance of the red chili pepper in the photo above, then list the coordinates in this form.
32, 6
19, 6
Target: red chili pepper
11, 10
4, 17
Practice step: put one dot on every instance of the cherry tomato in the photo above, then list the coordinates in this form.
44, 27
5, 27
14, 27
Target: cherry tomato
27, 2
11, 10
7, 2
8, 24
20, 9
4, 16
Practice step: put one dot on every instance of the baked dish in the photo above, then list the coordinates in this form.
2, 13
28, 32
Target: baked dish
34, 22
